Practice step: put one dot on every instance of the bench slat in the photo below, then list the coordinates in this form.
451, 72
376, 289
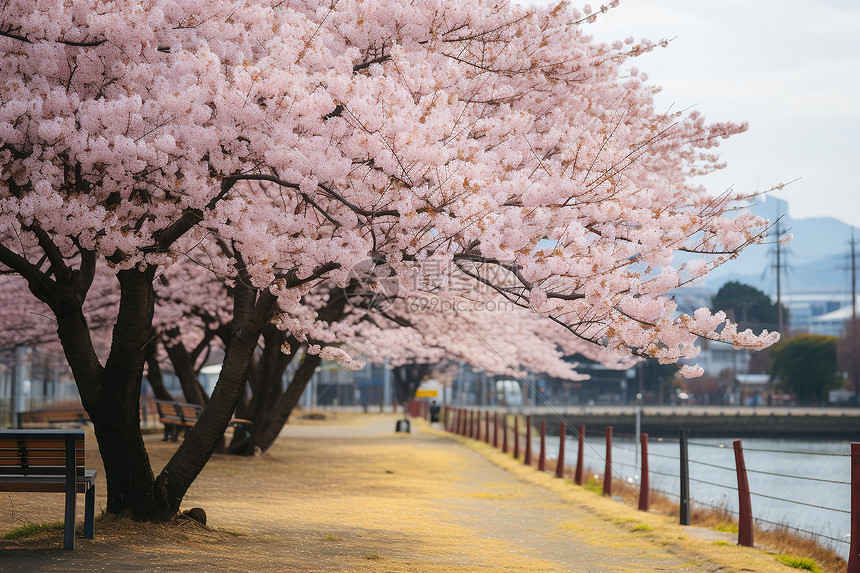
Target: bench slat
46, 483
37, 444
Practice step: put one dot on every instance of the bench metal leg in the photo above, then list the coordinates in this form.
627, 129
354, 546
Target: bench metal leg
69, 525
90, 513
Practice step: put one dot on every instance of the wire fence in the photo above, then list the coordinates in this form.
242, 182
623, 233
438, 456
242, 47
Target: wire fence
705, 459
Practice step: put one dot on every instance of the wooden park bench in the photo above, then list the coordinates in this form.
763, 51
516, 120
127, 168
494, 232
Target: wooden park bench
178, 415
53, 461
46, 418
175, 416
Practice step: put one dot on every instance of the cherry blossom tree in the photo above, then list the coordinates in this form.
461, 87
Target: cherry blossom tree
311, 137
505, 340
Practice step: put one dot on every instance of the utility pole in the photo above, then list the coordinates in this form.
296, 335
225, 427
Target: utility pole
779, 324
855, 378
386, 383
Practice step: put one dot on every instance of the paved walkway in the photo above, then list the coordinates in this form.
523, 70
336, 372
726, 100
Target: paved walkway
351, 495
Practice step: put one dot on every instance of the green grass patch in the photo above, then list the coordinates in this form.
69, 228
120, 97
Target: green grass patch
332, 537
32, 529
643, 528
722, 543
593, 485
727, 527
800, 562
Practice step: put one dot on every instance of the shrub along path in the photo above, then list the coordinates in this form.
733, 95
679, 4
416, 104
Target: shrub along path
350, 495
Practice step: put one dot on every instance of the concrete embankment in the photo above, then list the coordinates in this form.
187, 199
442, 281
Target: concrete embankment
806, 423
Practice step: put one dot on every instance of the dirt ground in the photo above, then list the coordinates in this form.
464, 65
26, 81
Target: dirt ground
349, 495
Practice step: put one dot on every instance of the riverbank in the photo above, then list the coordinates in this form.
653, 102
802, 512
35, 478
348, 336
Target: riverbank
711, 421
351, 495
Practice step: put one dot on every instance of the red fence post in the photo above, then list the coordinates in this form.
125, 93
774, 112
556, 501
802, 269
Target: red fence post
472, 424
644, 493
559, 467
504, 433
495, 430
578, 477
854, 550
485, 423
516, 435
745, 519
684, 472
528, 457
542, 455
607, 474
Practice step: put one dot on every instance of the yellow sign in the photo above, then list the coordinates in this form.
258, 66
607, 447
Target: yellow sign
427, 393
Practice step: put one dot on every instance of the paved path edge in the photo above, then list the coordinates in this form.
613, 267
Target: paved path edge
689, 542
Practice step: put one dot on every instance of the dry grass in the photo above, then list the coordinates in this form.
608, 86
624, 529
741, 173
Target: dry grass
781, 541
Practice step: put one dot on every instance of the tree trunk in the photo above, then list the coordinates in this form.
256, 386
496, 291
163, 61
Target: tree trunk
407, 379
267, 429
201, 441
271, 405
116, 411
153, 374
183, 366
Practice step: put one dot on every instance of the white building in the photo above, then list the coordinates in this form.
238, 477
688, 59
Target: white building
807, 309
832, 323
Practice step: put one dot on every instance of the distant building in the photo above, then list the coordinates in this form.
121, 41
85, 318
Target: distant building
753, 389
832, 323
719, 357
807, 311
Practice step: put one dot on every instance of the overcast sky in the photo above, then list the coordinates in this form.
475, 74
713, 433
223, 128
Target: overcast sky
790, 68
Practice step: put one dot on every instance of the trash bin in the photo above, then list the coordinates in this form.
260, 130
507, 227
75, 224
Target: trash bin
402, 426
434, 412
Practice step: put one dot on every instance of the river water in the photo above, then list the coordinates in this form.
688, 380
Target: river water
804, 485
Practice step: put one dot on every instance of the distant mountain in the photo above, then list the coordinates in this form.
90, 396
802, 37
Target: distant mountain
817, 259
